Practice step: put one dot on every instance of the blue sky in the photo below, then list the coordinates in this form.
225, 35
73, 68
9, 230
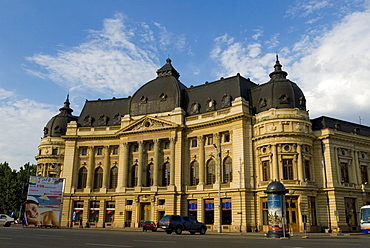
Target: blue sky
102, 49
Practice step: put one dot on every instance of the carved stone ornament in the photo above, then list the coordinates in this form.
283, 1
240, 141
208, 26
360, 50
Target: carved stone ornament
284, 98
116, 119
103, 120
163, 97
195, 108
87, 121
262, 102
226, 101
210, 104
143, 100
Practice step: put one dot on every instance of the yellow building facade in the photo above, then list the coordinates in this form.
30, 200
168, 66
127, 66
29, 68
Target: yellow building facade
209, 152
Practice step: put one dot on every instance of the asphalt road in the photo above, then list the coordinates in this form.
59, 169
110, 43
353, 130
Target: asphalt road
16, 236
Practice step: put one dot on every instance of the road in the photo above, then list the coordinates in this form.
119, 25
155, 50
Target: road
97, 238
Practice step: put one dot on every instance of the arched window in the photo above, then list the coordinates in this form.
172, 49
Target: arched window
134, 175
149, 174
98, 178
211, 172
194, 173
113, 177
166, 174
227, 170
82, 178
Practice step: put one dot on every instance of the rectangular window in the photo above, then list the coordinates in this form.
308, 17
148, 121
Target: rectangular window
54, 151
193, 142
226, 137
226, 211
265, 212
83, 151
307, 170
99, 151
265, 170
209, 211
312, 219
193, 208
344, 172
115, 150
287, 169
129, 202
209, 139
364, 175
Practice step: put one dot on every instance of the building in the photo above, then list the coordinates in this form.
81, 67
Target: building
207, 151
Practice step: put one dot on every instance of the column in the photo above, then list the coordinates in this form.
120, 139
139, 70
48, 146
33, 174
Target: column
201, 160
106, 167
172, 160
275, 167
140, 164
217, 142
124, 165
357, 179
300, 163
90, 172
156, 161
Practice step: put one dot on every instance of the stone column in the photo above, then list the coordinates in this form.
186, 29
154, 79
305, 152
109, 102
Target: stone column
217, 142
140, 164
300, 163
357, 179
172, 160
124, 167
106, 170
201, 160
275, 167
156, 161
90, 172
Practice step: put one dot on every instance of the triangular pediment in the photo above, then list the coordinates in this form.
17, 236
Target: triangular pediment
147, 124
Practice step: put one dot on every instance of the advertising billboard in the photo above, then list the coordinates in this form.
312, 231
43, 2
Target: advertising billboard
43, 206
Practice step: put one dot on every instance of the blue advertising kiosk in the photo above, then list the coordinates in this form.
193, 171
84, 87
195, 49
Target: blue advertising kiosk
276, 210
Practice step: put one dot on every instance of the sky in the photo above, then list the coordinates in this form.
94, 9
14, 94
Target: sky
93, 49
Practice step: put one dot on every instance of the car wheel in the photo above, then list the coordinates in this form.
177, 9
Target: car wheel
169, 231
178, 230
192, 233
202, 231
154, 230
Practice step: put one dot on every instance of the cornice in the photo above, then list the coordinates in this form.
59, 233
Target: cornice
219, 121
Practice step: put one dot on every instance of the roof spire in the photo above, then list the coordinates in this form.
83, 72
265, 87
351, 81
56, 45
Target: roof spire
278, 72
168, 70
65, 110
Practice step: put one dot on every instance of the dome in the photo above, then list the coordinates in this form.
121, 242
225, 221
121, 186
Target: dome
276, 187
279, 92
163, 94
57, 126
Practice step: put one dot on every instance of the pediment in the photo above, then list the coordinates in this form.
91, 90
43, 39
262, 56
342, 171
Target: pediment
148, 123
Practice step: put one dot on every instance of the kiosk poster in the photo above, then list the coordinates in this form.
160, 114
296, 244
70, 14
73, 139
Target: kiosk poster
275, 208
43, 206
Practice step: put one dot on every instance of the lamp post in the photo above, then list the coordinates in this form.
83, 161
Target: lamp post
219, 205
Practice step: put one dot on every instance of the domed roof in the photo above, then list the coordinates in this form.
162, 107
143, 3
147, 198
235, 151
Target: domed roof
276, 187
57, 126
279, 92
162, 94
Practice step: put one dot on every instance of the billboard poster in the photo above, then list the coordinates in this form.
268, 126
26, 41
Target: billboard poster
275, 204
43, 206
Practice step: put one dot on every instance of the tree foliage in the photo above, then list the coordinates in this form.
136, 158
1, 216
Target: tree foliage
14, 187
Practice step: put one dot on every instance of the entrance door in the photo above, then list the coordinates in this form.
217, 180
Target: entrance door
145, 212
292, 213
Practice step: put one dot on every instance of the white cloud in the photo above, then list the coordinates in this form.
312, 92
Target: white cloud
19, 120
5, 94
116, 60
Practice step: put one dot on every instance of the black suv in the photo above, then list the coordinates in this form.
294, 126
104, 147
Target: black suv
178, 223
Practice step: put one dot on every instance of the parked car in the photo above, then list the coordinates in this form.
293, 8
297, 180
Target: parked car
6, 220
149, 225
178, 223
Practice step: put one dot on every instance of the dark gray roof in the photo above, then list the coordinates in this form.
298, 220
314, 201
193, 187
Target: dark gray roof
104, 112
340, 125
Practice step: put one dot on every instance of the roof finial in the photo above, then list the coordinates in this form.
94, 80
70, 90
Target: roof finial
278, 72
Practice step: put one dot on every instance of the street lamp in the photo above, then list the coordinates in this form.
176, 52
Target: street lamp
219, 187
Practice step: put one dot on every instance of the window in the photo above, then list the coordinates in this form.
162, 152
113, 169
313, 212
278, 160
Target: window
99, 151
149, 174
265, 211
211, 172
134, 175
151, 146
136, 148
83, 151
115, 150
364, 175
226, 137
227, 170
350, 210
209, 208
209, 139
192, 208
194, 173
54, 151
344, 172
166, 174
129, 202
307, 172
288, 169
226, 211
167, 145
312, 210
266, 170
98, 178
82, 178
193, 142
113, 177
